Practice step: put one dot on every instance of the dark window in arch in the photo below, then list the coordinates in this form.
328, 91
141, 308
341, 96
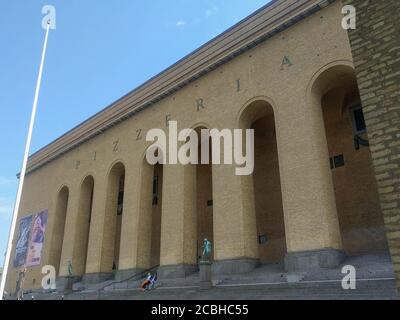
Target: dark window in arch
120, 197
337, 161
155, 191
357, 118
262, 239
91, 205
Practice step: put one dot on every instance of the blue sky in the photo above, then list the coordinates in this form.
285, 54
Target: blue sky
100, 51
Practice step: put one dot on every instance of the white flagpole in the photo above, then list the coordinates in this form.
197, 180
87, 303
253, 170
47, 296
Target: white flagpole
24, 163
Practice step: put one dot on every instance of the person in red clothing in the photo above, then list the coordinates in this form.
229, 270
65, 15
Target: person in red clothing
146, 282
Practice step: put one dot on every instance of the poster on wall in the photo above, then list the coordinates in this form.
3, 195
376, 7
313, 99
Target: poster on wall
21, 248
31, 235
36, 241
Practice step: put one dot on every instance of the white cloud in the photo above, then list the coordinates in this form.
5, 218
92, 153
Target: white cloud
180, 23
211, 11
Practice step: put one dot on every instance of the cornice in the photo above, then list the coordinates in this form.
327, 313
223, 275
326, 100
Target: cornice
256, 28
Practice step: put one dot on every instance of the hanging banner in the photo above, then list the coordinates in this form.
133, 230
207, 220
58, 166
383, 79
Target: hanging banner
21, 248
36, 241
28, 251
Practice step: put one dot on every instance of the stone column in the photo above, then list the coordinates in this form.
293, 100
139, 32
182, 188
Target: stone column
311, 223
128, 259
50, 240
69, 231
205, 275
145, 217
94, 273
178, 222
376, 53
64, 282
235, 233
80, 234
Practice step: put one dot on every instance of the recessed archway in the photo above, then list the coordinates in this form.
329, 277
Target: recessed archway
357, 202
156, 202
204, 196
149, 227
113, 218
264, 183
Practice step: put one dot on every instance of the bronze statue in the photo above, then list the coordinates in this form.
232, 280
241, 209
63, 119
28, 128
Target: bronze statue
70, 270
206, 250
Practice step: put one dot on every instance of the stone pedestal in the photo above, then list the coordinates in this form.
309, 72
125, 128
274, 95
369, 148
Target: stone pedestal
65, 284
205, 275
69, 282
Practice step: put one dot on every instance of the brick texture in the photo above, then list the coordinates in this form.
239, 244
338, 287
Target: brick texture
375, 45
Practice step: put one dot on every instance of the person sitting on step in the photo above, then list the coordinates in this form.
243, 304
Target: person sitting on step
146, 282
153, 281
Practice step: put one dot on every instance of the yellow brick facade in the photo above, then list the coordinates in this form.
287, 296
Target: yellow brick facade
290, 197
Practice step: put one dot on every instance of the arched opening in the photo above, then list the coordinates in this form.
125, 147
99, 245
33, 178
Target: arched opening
149, 238
156, 202
265, 184
59, 226
83, 226
204, 196
113, 218
360, 218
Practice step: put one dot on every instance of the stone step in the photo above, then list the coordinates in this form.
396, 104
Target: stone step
365, 289
371, 289
374, 274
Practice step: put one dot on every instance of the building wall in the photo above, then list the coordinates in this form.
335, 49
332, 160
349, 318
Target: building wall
376, 52
309, 209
